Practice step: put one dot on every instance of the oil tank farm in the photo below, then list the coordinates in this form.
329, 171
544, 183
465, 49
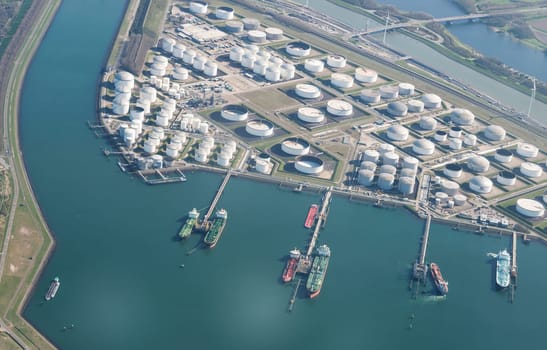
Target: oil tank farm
259, 128
298, 49
295, 146
339, 108
310, 115
336, 61
235, 113
310, 165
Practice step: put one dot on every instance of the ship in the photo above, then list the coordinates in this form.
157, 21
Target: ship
440, 283
290, 268
310, 219
318, 271
186, 229
211, 238
503, 269
53, 288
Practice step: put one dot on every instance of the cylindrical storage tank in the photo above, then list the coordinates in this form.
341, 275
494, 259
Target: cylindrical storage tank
310, 115
178, 50
295, 146
478, 164
440, 136
137, 113
128, 132
235, 113
157, 161
260, 128
263, 55
388, 169
366, 165
159, 132
371, 155
120, 108
149, 93
264, 156
205, 148
470, 140
385, 148
201, 156
530, 169
431, 101
263, 166
137, 125
170, 105
309, 165
223, 159
180, 73
369, 96
150, 147
397, 132
224, 12
460, 199
210, 69
198, 7
199, 62
365, 177
494, 133
256, 36
365, 75
453, 170
275, 61
236, 53
189, 56
298, 49
385, 181
144, 104
390, 158
250, 23
233, 26
461, 116
527, 150
441, 197
122, 97
407, 172
204, 128
336, 61
314, 66
162, 120
196, 122
274, 33
450, 187
165, 83
411, 163
428, 123
208, 141
177, 144
260, 67
160, 61
158, 72
122, 128
406, 89
406, 185
415, 106
180, 137
506, 178
503, 155
530, 208
167, 44
454, 143
455, 131
480, 184
248, 60
287, 71
388, 92
172, 151
423, 147
252, 49
397, 109
232, 145
307, 91
124, 81
341, 80
339, 108
273, 74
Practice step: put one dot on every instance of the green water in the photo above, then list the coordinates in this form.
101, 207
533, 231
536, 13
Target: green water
118, 259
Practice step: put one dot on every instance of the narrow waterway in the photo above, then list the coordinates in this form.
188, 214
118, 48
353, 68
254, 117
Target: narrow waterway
122, 286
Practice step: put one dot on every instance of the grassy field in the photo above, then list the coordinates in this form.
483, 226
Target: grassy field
155, 17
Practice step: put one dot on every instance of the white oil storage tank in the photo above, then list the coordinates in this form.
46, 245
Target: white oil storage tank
440, 136
273, 74
415, 106
369, 96
423, 147
250, 23
366, 75
506, 178
503, 155
406, 89
233, 27
124, 81
248, 60
411, 163
455, 143
263, 167
385, 181
201, 156
530, 169
236, 54
461, 116
260, 67
406, 185
167, 44
256, 36
365, 177
295, 146
298, 49
210, 69
178, 50
371, 155
390, 158
199, 62
478, 164
180, 73
450, 187
385, 148
259, 128
366, 165
309, 165
188, 56
530, 208
336, 61
527, 150
453, 170
310, 115
494, 133
235, 113
428, 123
397, 109
388, 169
223, 159
397, 132
198, 7
480, 184
339, 108
314, 66
432, 101
307, 91
341, 80
137, 113
470, 140
287, 71
273, 33
389, 92
224, 13
149, 93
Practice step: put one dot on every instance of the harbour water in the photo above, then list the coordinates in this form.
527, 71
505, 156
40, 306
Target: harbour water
118, 259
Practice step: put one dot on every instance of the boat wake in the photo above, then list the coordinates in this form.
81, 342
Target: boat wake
433, 298
492, 255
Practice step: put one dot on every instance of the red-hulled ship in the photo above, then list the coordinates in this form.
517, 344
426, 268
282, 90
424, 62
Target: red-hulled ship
292, 263
310, 219
440, 283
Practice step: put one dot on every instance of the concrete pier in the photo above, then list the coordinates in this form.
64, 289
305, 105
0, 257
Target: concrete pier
514, 256
321, 218
420, 269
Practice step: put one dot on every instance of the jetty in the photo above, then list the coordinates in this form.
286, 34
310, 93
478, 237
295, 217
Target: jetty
294, 294
514, 256
420, 268
161, 176
321, 219
205, 222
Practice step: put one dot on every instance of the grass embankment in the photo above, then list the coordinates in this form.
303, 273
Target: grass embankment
14, 25
30, 241
123, 32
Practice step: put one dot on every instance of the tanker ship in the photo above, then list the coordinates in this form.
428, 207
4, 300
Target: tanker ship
211, 238
292, 263
188, 226
53, 288
318, 271
503, 269
310, 219
440, 283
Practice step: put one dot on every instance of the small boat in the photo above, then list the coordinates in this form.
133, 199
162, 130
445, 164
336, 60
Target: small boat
53, 288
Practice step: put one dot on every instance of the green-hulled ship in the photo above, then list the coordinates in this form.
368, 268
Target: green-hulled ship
318, 271
211, 238
186, 229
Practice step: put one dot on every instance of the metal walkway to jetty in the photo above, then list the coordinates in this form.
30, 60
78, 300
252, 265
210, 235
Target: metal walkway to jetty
514, 256
420, 269
321, 219
214, 203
